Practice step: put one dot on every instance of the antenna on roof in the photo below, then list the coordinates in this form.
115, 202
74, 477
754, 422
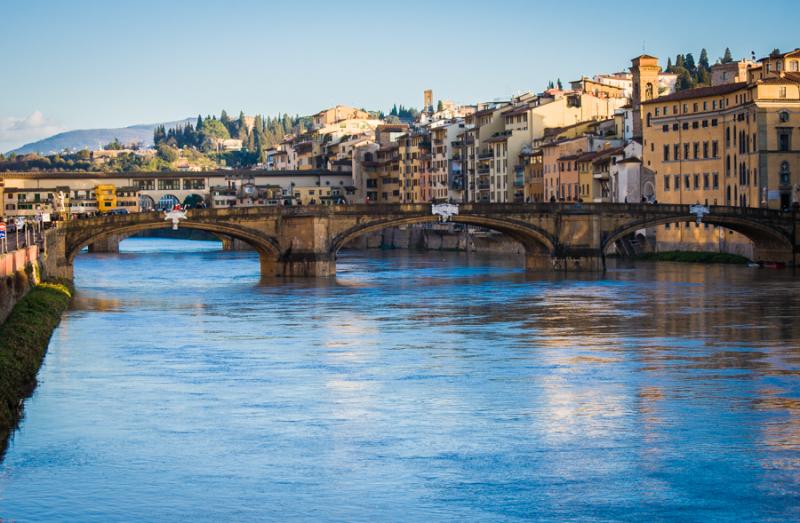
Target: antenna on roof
644, 46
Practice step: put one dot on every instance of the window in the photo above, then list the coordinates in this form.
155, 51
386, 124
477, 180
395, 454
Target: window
666, 183
715, 149
782, 91
666, 153
784, 175
794, 66
784, 139
685, 126
686, 182
695, 125
696, 150
686, 151
705, 123
784, 115
676, 152
665, 128
705, 181
696, 181
705, 149
674, 127
677, 181
716, 180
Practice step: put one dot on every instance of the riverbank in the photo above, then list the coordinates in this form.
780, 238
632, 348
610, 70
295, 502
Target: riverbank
694, 257
24, 338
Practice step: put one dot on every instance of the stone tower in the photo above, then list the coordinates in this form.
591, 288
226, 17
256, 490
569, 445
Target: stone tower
645, 70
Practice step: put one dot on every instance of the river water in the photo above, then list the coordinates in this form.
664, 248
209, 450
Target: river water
412, 387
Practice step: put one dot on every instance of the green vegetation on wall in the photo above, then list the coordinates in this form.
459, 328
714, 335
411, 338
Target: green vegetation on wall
23, 342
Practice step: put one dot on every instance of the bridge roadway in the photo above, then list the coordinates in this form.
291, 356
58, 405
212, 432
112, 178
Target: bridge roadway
304, 241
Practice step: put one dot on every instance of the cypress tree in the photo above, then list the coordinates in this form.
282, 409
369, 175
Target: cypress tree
727, 58
703, 62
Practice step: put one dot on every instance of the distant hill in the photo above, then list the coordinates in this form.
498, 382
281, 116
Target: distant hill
96, 138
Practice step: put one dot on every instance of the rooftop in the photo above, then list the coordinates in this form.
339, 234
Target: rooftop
700, 92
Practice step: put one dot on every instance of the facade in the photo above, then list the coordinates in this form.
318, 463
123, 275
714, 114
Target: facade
154, 191
730, 144
338, 114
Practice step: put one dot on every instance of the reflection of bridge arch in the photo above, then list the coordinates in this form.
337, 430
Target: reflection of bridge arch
535, 240
266, 246
765, 238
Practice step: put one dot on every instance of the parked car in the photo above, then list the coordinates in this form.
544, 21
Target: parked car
119, 211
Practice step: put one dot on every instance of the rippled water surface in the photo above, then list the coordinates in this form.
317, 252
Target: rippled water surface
413, 387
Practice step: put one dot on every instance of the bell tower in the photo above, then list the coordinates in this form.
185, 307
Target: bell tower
645, 70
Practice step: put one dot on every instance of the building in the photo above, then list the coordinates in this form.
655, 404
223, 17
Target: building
728, 144
730, 73
106, 196
446, 173
337, 114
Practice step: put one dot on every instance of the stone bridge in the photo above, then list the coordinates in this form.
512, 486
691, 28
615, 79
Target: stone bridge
304, 241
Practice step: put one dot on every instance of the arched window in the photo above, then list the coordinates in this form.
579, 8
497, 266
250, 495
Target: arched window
784, 116
785, 175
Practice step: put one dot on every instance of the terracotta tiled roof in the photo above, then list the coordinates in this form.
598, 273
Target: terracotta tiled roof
716, 90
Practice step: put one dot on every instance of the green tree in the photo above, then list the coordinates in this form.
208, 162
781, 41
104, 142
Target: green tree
114, 145
689, 63
685, 80
727, 57
703, 62
440, 106
558, 83
669, 65
167, 153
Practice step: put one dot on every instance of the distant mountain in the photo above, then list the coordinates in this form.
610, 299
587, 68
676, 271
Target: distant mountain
96, 138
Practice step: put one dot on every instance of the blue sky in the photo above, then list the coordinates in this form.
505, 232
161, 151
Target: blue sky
86, 64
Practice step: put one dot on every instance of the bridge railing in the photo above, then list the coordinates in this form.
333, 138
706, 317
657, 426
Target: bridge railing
425, 208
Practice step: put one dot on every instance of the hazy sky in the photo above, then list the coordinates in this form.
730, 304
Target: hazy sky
85, 64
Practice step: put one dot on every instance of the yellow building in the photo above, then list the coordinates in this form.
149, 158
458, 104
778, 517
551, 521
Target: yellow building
729, 144
106, 196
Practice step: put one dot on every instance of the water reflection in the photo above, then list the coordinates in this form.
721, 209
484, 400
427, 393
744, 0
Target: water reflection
433, 386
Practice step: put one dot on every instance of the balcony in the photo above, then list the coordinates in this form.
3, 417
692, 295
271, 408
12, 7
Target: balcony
484, 186
485, 154
483, 170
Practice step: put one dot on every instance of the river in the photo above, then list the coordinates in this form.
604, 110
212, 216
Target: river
415, 387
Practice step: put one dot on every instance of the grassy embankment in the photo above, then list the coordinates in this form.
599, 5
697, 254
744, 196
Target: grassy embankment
693, 257
23, 342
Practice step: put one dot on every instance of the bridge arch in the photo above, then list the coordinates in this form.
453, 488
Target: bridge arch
770, 243
266, 246
539, 245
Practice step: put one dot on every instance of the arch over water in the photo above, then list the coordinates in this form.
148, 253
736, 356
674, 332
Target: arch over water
266, 246
535, 240
765, 237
